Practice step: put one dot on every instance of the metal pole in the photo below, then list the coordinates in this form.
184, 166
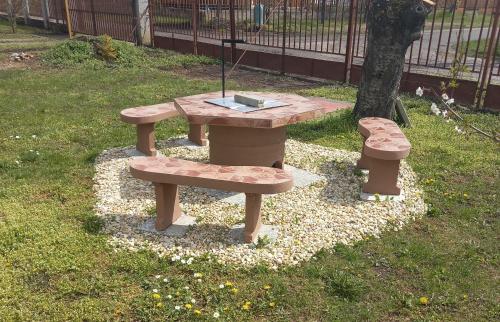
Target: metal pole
195, 26
45, 13
222, 66
323, 9
233, 42
26, 11
490, 54
68, 20
350, 39
151, 22
232, 23
137, 21
94, 23
284, 38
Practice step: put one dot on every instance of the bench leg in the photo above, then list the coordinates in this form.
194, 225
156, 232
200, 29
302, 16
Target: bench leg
167, 205
383, 177
364, 162
146, 139
197, 134
252, 216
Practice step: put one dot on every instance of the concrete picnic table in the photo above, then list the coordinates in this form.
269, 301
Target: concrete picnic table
252, 138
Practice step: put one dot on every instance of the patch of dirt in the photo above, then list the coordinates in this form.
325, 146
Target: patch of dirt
6, 63
248, 78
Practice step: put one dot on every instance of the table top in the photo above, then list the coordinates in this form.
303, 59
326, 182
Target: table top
197, 111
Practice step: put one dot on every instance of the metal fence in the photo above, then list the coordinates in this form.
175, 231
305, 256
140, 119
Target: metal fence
456, 31
116, 18
57, 11
35, 8
96, 17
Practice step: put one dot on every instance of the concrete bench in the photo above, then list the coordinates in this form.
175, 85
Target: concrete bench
145, 117
167, 173
383, 149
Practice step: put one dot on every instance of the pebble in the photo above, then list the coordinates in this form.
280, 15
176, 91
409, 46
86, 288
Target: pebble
309, 219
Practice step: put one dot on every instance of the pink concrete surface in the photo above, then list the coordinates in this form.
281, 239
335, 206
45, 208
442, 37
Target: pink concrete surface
248, 179
149, 114
196, 110
384, 139
371, 125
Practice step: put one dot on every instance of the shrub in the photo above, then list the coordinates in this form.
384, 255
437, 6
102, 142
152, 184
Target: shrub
68, 53
104, 51
95, 51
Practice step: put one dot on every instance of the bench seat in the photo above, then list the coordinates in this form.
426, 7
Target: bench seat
167, 173
145, 117
384, 147
149, 114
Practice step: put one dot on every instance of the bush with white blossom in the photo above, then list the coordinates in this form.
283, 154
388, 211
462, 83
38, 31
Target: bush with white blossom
445, 109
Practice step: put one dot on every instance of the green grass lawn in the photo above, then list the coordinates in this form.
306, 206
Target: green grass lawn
478, 46
466, 18
57, 265
22, 32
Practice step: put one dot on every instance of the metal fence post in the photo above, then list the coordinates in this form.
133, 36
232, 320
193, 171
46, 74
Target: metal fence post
283, 53
487, 67
194, 24
94, 23
45, 13
26, 11
137, 34
232, 23
151, 10
351, 28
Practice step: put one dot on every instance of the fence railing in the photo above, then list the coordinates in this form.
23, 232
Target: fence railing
97, 17
116, 18
456, 31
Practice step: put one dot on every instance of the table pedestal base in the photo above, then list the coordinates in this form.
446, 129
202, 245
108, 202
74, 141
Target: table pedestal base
247, 146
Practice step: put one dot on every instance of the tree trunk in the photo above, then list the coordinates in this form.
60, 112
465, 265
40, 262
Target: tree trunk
12, 15
392, 27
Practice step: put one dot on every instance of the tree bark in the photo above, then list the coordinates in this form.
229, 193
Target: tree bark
12, 14
392, 27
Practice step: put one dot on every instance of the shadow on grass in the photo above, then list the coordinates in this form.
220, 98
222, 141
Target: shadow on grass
93, 224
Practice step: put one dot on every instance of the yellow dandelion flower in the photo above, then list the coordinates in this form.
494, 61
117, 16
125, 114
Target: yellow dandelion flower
156, 296
228, 284
197, 312
423, 300
466, 195
234, 290
272, 304
159, 304
188, 306
246, 306
267, 287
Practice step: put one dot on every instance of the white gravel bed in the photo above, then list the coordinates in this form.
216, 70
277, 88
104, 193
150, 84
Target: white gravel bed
309, 218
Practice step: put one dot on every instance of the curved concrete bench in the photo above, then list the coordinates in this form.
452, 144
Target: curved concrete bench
383, 148
167, 173
145, 117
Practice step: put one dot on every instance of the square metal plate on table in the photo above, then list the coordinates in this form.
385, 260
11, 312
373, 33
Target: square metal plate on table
228, 102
